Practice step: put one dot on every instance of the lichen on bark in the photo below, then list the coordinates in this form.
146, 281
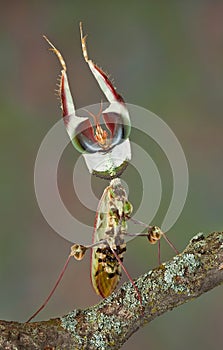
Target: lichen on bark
108, 325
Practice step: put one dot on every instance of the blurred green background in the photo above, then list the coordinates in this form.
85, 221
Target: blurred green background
164, 56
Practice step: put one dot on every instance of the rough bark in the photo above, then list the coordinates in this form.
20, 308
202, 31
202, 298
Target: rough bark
107, 325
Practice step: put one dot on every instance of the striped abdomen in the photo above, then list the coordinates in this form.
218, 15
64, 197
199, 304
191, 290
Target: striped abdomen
106, 270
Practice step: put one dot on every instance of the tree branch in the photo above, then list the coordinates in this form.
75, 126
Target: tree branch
108, 325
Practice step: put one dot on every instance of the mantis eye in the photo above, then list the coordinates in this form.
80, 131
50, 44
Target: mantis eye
101, 136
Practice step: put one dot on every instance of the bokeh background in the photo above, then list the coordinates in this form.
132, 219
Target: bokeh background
164, 56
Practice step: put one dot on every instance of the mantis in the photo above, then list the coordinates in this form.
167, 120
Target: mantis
103, 140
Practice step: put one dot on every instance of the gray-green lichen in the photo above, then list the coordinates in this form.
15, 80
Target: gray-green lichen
98, 341
69, 322
104, 327
199, 236
170, 275
103, 321
176, 269
221, 240
132, 299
